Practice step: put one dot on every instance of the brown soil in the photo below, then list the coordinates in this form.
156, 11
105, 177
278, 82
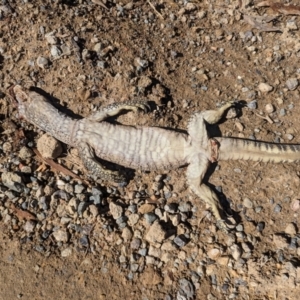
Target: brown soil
191, 60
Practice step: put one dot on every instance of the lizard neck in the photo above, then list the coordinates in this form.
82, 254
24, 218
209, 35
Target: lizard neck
50, 120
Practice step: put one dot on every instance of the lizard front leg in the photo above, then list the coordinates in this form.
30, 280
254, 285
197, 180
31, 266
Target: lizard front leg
117, 108
195, 173
87, 156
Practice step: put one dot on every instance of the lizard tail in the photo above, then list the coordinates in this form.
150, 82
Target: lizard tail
235, 149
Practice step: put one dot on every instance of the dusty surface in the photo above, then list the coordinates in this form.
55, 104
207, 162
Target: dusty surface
184, 57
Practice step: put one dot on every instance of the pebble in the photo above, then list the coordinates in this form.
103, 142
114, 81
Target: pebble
265, 88
79, 188
292, 83
282, 112
180, 240
186, 290
171, 208
150, 217
277, 208
247, 203
13, 181
291, 229
127, 234
252, 104
135, 243
42, 62
185, 207
260, 226
146, 208
29, 226
66, 252
115, 210
236, 251
25, 153
280, 241
49, 147
55, 51
269, 108
61, 235
156, 233
143, 252
214, 253
133, 219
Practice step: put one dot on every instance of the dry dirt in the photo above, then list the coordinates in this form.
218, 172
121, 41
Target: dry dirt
184, 56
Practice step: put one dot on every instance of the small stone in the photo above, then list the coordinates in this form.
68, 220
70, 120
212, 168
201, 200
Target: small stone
42, 62
66, 252
133, 219
269, 108
61, 235
265, 88
280, 241
156, 233
48, 146
25, 153
29, 226
236, 251
26, 169
260, 226
295, 205
247, 203
186, 289
252, 104
277, 208
78, 188
94, 210
282, 112
135, 243
7, 147
291, 25
51, 39
132, 208
292, 83
143, 252
150, 260
291, 229
155, 252
289, 136
144, 82
213, 253
223, 260
146, 208
115, 210
150, 217
239, 227
171, 208
13, 181
55, 51
185, 207
180, 240
126, 234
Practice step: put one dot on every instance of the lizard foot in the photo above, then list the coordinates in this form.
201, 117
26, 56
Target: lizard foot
222, 226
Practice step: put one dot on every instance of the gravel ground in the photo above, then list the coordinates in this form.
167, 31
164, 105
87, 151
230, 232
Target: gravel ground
84, 238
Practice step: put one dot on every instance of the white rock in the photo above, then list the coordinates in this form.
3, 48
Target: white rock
265, 88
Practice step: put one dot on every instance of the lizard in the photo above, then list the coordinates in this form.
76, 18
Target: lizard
149, 148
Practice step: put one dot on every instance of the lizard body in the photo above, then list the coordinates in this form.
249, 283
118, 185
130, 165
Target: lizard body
149, 148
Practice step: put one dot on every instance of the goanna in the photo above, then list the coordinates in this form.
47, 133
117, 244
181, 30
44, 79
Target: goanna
149, 148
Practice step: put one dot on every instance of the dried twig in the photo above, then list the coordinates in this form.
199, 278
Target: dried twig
281, 8
22, 214
260, 23
157, 12
57, 167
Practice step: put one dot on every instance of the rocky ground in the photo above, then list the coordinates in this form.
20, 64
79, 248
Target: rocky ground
74, 236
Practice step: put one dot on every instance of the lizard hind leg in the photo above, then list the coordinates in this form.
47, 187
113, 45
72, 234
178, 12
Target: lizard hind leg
88, 158
116, 108
195, 173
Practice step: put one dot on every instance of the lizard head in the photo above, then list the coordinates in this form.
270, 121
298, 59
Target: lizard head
19, 99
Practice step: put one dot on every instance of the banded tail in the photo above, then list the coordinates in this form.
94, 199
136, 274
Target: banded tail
235, 149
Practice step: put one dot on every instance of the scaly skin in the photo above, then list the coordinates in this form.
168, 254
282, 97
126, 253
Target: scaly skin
149, 148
